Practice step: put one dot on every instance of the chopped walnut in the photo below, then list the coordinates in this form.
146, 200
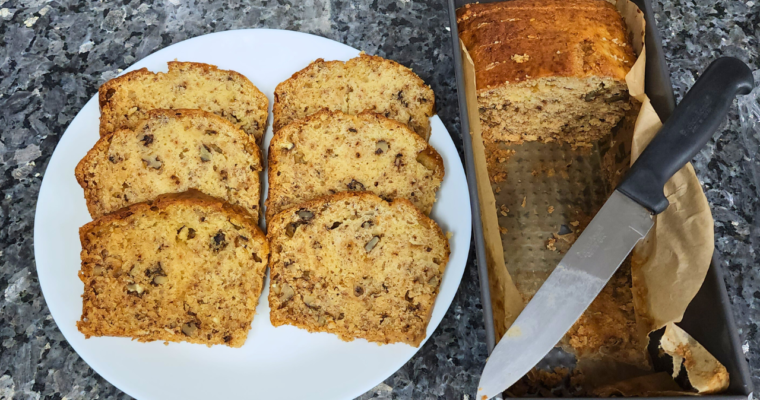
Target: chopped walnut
520, 58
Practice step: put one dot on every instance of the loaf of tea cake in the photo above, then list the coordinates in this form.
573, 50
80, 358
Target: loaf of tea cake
185, 267
125, 100
357, 266
548, 70
172, 151
330, 152
360, 84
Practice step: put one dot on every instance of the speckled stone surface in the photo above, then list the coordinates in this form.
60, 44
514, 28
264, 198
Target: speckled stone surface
55, 54
694, 33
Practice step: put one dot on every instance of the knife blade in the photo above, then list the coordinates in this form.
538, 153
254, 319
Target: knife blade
624, 219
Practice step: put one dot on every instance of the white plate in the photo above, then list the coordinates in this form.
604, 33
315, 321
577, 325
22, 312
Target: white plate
274, 363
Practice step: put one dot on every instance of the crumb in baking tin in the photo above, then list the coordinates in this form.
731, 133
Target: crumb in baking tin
496, 160
575, 223
503, 230
503, 210
525, 199
497, 190
550, 244
550, 169
549, 378
559, 382
550, 209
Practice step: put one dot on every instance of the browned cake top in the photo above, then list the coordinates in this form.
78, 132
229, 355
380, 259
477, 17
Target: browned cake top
518, 40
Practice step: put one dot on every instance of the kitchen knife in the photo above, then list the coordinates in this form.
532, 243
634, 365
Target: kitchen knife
622, 221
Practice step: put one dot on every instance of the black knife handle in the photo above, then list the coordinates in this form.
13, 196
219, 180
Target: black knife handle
691, 125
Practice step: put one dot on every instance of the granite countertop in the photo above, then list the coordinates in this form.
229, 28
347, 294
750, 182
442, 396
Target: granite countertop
55, 54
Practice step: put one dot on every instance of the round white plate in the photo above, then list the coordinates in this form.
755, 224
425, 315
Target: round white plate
274, 363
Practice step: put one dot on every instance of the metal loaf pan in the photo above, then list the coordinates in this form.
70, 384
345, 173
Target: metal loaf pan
709, 318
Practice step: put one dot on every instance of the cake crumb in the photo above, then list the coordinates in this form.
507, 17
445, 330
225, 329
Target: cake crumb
550, 244
575, 223
503, 230
496, 159
449, 235
523, 202
520, 58
304, 299
504, 210
550, 209
497, 190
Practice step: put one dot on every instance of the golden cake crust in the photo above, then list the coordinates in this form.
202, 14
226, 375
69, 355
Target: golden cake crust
124, 100
330, 152
356, 266
364, 83
200, 285
519, 40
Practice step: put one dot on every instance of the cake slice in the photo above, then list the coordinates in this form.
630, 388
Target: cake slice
330, 152
185, 267
360, 84
548, 70
125, 100
357, 266
171, 151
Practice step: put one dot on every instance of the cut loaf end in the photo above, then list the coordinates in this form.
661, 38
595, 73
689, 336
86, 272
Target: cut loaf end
578, 111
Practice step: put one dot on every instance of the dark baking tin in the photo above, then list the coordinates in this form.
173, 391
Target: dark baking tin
708, 318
